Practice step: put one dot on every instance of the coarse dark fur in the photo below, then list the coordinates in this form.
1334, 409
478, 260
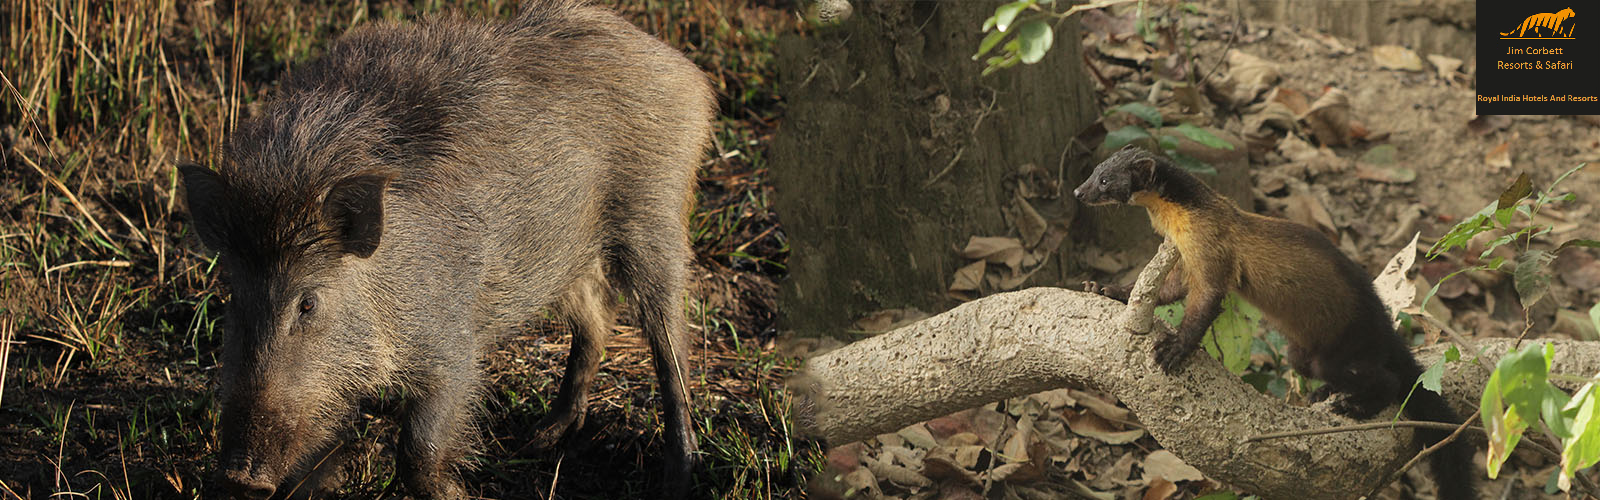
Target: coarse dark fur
418, 191
1324, 303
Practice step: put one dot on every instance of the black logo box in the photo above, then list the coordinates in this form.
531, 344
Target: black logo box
1527, 68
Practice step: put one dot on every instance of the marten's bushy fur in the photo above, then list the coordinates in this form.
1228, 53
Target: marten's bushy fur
1324, 303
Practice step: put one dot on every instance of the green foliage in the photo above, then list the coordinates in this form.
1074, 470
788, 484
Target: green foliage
1531, 274
1168, 142
1201, 136
1518, 392
1231, 336
1514, 397
1034, 34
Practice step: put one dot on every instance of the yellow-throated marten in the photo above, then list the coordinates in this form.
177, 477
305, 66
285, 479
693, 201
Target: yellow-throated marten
1324, 303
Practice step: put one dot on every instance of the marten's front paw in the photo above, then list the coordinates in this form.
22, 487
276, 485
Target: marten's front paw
1119, 293
1171, 353
1357, 408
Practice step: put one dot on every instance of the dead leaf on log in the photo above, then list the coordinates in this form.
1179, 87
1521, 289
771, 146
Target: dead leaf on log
1394, 288
1335, 47
1295, 100
1305, 208
1160, 489
1101, 406
888, 320
863, 481
1446, 65
1387, 174
900, 475
918, 436
1499, 157
968, 278
1089, 425
1396, 57
1247, 77
1163, 465
845, 458
1484, 124
1329, 118
1116, 475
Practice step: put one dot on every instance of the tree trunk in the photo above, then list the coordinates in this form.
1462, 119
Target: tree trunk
894, 151
1024, 342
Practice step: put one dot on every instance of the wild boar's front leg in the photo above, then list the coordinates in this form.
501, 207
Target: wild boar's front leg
433, 436
589, 310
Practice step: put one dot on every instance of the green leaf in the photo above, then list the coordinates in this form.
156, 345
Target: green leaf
1583, 450
1431, 379
1170, 313
1192, 164
1578, 243
1002, 62
1512, 398
1452, 354
1203, 136
1594, 316
989, 41
1501, 241
1435, 289
1496, 422
1519, 189
988, 24
1230, 335
1005, 14
1545, 196
1168, 143
1463, 232
1530, 277
1149, 113
1552, 410
1262, 381
1118, 138
1220, 495
1036, 37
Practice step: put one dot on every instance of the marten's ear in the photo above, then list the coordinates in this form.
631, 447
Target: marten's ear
1145, 170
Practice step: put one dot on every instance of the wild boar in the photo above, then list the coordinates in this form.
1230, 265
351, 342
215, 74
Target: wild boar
419, 190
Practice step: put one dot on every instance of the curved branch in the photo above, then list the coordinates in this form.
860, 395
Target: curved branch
1024, 342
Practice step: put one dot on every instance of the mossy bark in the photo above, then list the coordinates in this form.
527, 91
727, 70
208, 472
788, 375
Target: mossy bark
894, 151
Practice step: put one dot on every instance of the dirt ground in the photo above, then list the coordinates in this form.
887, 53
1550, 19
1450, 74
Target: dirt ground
1409, 156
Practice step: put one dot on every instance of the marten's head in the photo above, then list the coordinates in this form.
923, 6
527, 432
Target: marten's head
1115, 180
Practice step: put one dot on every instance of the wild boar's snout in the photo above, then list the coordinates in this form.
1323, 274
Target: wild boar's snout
242, 483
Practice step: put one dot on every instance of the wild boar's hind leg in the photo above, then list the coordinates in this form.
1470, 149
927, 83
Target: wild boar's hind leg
436, 428
589, 310
650, 262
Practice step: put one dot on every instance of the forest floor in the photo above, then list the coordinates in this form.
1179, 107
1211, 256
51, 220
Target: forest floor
1372, 145
109, 308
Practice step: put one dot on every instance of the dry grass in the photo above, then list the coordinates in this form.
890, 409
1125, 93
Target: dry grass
109, 309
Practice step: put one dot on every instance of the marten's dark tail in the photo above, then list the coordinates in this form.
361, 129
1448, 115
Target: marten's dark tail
1453, 468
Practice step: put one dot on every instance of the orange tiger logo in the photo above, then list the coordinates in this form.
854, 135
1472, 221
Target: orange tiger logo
1545, 20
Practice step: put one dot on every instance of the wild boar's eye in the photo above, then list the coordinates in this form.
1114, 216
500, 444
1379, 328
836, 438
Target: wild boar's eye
307, 304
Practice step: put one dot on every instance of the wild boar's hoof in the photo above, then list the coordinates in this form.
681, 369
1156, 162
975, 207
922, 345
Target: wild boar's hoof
552, 429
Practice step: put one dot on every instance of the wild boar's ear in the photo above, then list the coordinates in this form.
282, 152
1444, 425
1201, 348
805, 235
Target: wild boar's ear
354, 209
206, 196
